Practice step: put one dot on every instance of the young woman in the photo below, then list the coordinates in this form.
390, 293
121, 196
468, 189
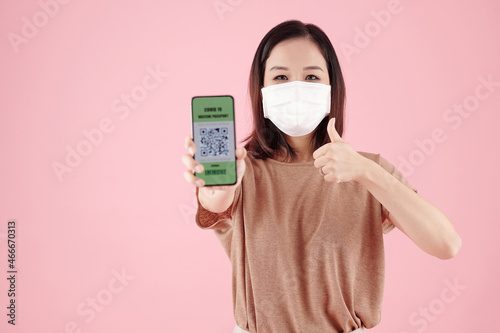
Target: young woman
303, 226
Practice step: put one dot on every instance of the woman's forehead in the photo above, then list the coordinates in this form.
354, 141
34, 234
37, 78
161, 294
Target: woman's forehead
296, 52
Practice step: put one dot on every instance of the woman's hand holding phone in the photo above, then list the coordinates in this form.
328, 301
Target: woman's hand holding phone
213, 198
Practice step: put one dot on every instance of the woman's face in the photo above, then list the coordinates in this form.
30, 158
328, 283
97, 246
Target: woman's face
297, 59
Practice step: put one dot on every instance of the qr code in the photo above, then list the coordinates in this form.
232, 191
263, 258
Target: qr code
214, 141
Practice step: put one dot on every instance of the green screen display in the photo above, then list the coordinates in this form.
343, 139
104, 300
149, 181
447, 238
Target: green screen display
214, 137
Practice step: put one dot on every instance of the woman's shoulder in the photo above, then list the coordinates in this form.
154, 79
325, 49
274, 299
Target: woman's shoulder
253, 160
253, 157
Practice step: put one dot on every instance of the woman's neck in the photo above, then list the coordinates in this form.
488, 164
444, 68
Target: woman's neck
302, 147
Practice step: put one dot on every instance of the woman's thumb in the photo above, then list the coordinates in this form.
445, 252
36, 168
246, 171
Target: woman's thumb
241, 153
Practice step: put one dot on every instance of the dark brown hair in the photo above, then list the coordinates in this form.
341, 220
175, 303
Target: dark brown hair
266, 139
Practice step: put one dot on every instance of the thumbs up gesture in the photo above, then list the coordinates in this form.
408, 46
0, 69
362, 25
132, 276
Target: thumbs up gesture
337, 161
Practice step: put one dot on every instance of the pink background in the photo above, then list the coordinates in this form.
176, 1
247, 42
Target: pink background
126, 207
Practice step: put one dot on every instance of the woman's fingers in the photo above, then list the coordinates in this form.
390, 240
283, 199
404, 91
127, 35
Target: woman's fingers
194, 166
188, 159
190, 146
192, 179
191, 164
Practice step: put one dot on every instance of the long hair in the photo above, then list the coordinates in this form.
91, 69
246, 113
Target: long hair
266, 140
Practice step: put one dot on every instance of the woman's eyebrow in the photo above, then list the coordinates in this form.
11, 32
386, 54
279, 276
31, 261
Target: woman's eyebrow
276, 68
312, 68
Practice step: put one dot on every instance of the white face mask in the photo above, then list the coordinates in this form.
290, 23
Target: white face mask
296, 107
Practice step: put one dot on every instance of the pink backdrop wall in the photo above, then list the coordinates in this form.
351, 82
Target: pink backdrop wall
108, 242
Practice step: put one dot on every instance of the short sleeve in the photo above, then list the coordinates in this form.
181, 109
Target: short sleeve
387, 226
206, 219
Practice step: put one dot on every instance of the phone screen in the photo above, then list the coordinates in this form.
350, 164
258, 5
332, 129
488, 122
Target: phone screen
215, 139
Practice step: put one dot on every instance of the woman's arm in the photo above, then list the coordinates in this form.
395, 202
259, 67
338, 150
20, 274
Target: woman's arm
421, 221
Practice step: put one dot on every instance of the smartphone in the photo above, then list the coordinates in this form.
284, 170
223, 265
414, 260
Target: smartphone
215, 139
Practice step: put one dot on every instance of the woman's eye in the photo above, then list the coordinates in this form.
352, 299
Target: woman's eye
312, 77
280, 77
